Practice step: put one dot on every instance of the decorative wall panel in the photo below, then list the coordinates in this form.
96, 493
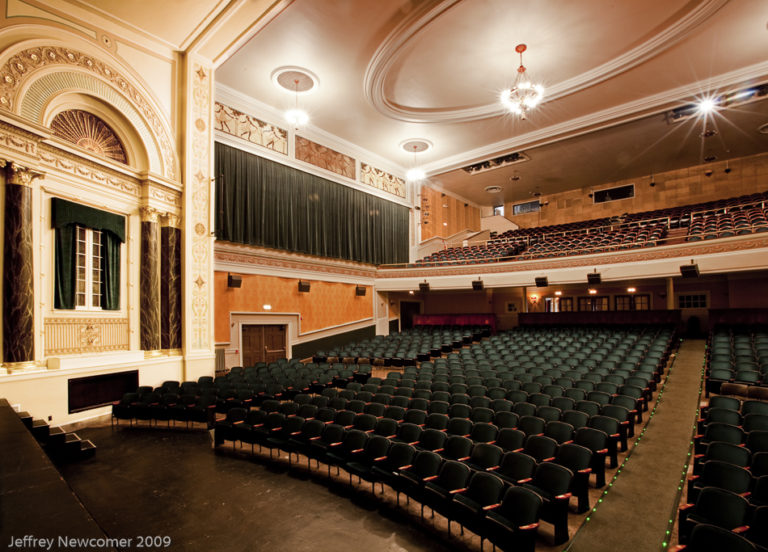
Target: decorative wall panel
324, 157
251, 129
382, 180
64, 336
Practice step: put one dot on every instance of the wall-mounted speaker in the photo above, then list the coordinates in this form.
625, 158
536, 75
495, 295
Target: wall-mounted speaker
593, 278
477, 285
360, 291
303, 286
234, 281
690, 271
542, 281
424, 286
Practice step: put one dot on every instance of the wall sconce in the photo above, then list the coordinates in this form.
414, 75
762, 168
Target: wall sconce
558, 293
593, 292
631, 290
533, 299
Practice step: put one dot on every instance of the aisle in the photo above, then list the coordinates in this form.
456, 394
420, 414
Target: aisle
636, 511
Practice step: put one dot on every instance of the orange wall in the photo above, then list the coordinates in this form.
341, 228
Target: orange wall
443, 215
327, 303
674, 188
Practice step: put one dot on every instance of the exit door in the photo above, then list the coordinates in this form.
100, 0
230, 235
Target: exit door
263, 343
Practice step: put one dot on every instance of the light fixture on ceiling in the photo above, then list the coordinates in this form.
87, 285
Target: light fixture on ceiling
296, 117
415, 146
524, 95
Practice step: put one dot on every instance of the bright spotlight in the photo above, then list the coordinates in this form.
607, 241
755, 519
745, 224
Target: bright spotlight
707, 105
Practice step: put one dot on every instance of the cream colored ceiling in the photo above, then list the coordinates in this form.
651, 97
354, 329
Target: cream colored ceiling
399, 69
174, 22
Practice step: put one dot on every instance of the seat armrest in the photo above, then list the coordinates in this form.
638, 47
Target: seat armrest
602, 451
564, 496
458, 491
492, 468
526, 480
550, 459
740, 530
464, 459
379, 458
336, 444
429, 478
585, 470
314, 438
439, 450
529, 526
686, 507
356, 451
406, 467
492, 506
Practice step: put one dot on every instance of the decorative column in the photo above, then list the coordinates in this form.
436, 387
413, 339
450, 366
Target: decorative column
198, 310
170, 282
18, 284
670, 294
149, 295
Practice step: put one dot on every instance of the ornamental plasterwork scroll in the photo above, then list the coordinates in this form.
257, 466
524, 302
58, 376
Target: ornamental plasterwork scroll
200, 213
10, 138
382, 180
24, 63
88, 170
236, 123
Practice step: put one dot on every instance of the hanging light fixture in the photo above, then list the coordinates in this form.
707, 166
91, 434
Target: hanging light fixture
524, 95
296, 117
415, 146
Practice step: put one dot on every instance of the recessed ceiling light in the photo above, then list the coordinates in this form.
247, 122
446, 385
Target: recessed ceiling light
493, 189
763, 129
707, 105
295, 80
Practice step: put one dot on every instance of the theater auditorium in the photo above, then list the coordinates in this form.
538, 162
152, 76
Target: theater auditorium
384, 275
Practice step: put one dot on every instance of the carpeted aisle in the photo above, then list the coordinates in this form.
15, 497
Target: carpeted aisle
635, 513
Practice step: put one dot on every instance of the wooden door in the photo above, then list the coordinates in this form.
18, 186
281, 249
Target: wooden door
274, 343
263, 343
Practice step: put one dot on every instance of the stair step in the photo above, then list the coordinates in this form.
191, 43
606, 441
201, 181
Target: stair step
26, 417
56, 437
87, 449
40, 429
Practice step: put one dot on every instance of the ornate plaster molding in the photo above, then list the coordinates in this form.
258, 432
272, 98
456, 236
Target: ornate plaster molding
399, 40
20, 68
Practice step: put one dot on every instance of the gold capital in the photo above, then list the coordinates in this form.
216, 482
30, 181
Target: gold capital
149, 214
171, 219
16, 174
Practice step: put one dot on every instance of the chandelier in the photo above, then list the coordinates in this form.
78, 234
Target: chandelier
296, 117
524, 95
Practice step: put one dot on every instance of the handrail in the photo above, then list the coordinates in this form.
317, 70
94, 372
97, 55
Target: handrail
725, 209
524, 255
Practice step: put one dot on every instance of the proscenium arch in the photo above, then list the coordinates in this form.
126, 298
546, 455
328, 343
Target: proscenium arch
133, 145
30, 77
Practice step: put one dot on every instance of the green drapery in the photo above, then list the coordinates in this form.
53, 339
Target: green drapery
261, 202
65, 216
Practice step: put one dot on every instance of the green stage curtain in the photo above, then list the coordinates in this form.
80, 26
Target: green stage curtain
261, 202
65, 216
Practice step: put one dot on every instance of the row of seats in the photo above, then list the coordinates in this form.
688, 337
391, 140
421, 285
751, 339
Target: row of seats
729, 485
408, 347
413, 467
737, 354
722, 218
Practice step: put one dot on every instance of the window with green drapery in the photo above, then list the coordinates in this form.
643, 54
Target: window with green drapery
87, 251
261, 202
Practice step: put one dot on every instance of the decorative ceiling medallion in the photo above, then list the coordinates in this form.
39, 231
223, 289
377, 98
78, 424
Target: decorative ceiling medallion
763, 129
397, 43
87, 131
493, 189
416, 145
295, 80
